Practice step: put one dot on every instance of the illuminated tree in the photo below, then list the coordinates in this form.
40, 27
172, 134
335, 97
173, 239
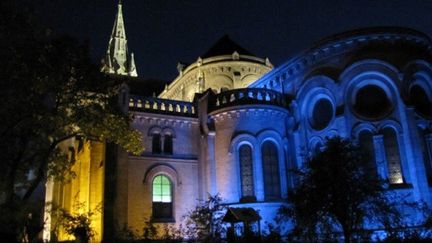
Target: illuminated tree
337, 192
204, 222
50, 92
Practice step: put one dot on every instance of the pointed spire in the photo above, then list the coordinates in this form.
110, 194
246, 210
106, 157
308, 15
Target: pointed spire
118, 29
117, 58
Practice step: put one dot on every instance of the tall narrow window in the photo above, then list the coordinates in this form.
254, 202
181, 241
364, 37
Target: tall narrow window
162, 198
426, 155
271, 171
156, 143
393, 157
246, 170
168, 144
367, 145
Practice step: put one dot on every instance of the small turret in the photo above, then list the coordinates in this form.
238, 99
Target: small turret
132, 67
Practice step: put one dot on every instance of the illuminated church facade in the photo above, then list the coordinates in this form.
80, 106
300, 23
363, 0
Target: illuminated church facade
232, 124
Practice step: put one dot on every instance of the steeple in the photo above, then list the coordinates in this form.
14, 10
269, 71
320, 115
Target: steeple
117, 58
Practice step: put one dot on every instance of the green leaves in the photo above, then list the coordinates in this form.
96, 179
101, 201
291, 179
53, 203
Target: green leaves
76, 224
336, 192
51, 92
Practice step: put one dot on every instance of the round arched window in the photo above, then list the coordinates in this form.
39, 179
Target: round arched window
162, 197
420, 101
372, 102
322, 114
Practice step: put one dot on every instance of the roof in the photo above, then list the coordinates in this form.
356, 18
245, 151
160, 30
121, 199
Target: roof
234, 215
141, 86
146, 87
225, 46
369, 31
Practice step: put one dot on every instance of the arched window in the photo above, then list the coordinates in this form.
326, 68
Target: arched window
422, 103
392, 155
321, 114
168, 144
246, 170
427, 154
156, 143
367, 145
271, 171
162, 198
366, 100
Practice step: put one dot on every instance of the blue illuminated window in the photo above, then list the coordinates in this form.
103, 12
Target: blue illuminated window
367, 145
271, 171
393, 156
162, 197
427, 155
246, 169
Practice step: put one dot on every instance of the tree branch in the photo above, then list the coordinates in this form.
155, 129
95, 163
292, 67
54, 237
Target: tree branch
42, 170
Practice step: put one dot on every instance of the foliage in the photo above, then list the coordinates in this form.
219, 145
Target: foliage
76, 224
205, 221
337, 192
125, 234
150, 231
172, 234
273, 234
51, 92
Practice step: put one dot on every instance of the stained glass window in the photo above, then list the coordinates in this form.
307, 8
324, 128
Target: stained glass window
247, 185
367, 145
271, 171
393, 157
426, 154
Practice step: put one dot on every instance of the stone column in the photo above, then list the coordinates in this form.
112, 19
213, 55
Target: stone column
49, 188
211, 162
380, 157
282, 171
97, 182
259, 183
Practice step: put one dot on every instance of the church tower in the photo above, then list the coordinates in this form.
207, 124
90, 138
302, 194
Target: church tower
117, 59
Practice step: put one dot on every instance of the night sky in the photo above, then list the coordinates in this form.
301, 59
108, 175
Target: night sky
163, 32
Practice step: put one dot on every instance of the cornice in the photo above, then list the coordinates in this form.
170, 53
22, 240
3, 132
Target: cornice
342, 43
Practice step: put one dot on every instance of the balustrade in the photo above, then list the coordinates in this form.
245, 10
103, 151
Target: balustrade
228, 98
247, 96
151, 104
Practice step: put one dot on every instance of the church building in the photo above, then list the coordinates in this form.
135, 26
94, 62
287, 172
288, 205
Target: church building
232, 124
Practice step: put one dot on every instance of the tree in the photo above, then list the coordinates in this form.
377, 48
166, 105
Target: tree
337, 191
76, 224
204, 222
50, 92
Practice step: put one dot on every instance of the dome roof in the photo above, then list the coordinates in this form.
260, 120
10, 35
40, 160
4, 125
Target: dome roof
225, 46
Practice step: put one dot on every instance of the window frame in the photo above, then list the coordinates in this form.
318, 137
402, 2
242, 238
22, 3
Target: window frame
396, 142
252, 196
156, 149
274, 173
157, 205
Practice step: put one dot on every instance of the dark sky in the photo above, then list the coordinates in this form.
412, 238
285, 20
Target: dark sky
163, 32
